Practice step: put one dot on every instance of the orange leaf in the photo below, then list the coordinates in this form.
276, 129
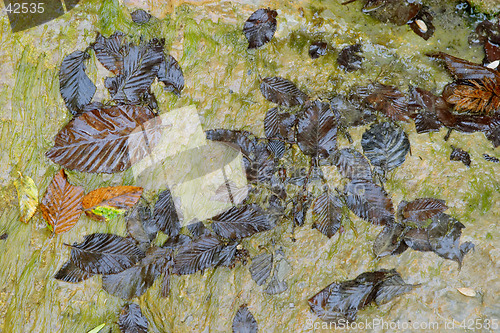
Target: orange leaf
113, 199
62, 204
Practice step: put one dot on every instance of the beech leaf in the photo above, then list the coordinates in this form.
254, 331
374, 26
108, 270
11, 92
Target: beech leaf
105, 254
421, 209
327, 213
69, 272
27, 194
165, 216
282, 91
106, 140
76, 88
131, 320
107, 202
352, 164
110, 51
62, 204
369, 202
244, 321
390, 241
385, 145
317, 130
261, 268
170, 73
260, 27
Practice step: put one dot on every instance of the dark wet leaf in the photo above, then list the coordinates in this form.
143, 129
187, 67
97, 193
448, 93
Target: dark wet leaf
458, 154
422, 24
426, 120
140, 67
106, 203
261, 268
244, 322
389, 241
352, 164
369, 202
340, 302
389, 101
385, 145
318, 49
136, 280
165, 216
199, 254
348, 59
4, 236
279, 125
465, 70
170, 73
260, 27
197, 229
241, 222
131, 320
491, 158
327, 213
391, 287
301, 204
282, 91
418, 240
62, 204
420, 210
258, 160
352, 112
317, 130
105, 254
137, 224
106, 140
76, 88
110, 51
140, 16
488, 33
398, 12
69, 272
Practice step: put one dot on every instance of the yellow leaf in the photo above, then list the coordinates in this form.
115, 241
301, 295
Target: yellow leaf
97, 329
27, 192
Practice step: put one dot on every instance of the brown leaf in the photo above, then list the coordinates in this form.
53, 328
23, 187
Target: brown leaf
62, 204
421, 209
105, 202
282, 91
465, 70
390, 101
108, 139
476, 96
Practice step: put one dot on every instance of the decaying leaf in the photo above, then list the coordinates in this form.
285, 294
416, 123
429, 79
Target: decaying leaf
476, 96
385, 145
136, 280
389, 101
241, 222
465, 70
390, 241
282, 91
348, 59
301, 204
398, 12
261, 268
260, 27
317, 130
140, 16
137, 224
106, 203
69, 272
106, 140
318, 49
170, 73
62, 204
244, 322
27, 194
426, 120
327, 213
110, 51
131, 320
352, 164
369, 202
458, 154
417, 212
105, 254
76, 88
340, 302
165, 216
281, 272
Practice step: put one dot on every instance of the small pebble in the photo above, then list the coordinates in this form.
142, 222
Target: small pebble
467, 292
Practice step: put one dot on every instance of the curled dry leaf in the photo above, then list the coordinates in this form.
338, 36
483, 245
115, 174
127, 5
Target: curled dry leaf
76, 88
369, 201
340, 301
62, 204
327, 213
131, 320
260, 27
282, 91
317, 130
106, 203
244, 322
385, 145
27, 195
106, 140
105, 254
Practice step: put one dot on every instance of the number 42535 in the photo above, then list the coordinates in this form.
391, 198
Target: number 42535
24, 8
